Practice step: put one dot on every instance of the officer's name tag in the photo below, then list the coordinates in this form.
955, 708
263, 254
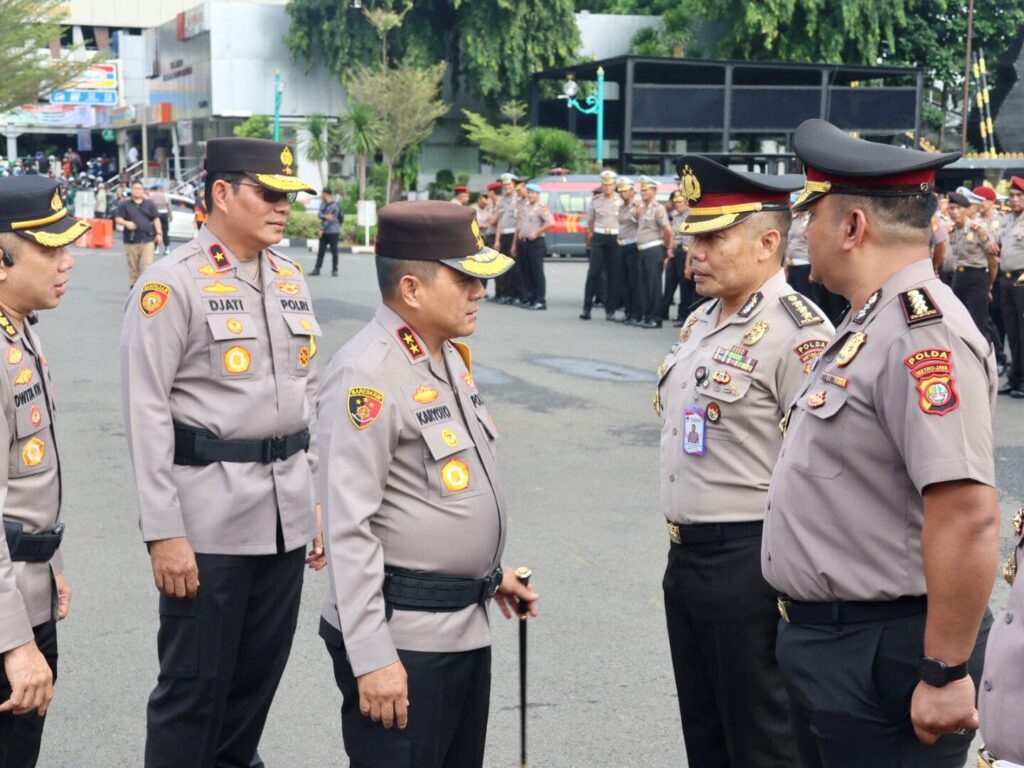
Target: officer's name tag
694, 422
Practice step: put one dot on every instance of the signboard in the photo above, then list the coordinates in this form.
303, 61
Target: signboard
366, 213
97, 85
52, 115
104, 98
184, 132
109, 134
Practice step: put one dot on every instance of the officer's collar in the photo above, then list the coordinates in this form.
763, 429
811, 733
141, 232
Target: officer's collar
8, 329
754, 304
911, 276
220, 258
403, 334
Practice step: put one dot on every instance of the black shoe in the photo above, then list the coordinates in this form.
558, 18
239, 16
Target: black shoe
678, 323
1017, 394
619, 319
1001, 367
585, 315
538, 305
314, 273
610, 317
1006, 389
334, 273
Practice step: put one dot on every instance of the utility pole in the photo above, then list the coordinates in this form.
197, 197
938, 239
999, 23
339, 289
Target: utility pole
967, 78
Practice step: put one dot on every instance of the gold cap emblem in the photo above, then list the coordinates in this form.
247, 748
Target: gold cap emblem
691, 185
287, 159
476, 233
56, 203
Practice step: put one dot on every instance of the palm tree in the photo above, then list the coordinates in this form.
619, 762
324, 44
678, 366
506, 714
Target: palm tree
359, 133
317, 144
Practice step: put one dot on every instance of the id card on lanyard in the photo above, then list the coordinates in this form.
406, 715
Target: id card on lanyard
695, 420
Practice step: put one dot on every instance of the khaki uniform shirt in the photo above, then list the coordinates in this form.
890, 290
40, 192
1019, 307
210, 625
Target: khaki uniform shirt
906, 404
506, 211
967, 246
30, 482
1001, 693
627, 222
483, 219
1011, 243
603, 214
651, 223
205, 346
411, 482
751, 366
676, 220
532, 217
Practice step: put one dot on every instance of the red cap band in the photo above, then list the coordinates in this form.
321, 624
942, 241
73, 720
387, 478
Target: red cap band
926, 176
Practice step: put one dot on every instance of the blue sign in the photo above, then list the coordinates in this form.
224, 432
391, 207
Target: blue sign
105, 98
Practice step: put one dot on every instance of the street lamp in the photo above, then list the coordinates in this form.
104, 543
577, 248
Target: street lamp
278, 93
595, 106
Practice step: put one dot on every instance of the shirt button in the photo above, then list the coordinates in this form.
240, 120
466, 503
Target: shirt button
704, 343
683, 386
1009, 618
828, 358
671, 478
674, 431
988, 685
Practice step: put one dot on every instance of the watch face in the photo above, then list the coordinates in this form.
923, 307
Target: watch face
933, 672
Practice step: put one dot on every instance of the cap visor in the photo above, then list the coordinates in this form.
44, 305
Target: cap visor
701, 225
62, 232
486, 262
805, 199
281, 183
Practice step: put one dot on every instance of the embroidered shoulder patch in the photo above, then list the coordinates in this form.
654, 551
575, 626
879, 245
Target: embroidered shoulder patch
918, 306
153, 298
364, 406
797, 308
932, 369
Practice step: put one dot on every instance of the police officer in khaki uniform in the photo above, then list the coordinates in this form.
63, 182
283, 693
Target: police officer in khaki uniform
675, 271
722, 391
534, 220
35, 230
217, 368
628, 251
506, 212
882, 523
415, 508
1011, 266
976, 266
1001, 696
653, 244
605, 267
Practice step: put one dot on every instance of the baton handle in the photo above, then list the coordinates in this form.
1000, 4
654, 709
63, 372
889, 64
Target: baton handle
523, 577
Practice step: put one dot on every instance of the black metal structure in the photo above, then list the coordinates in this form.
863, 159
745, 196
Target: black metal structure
728, 108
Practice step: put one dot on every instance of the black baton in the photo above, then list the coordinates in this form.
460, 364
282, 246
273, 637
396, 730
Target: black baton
523, 575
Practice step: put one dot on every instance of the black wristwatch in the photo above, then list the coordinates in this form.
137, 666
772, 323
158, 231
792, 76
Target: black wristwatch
937, 673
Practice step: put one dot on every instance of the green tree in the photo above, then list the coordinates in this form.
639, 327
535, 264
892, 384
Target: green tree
497, 143
319, 143
553, 148
493, 46
647, 41
405, 100
255, 127
27, 28
359, 134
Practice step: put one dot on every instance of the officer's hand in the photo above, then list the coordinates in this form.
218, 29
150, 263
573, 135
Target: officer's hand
174, 567
992, 248
30, 678
938, 711
511, 592
316, 559
63, 596
384, 695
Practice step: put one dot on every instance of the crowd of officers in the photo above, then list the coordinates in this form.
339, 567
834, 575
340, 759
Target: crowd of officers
829, 492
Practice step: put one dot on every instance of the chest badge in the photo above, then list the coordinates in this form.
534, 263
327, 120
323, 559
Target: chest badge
35, 416
721, 377
33, 452
234, 325
287, 288
14, 356
713, 412
237, 360
816, 399
851, 347
756, 333
450, 438
424, 394
220, 288
24, 377
736, 357
455, 476
684, 332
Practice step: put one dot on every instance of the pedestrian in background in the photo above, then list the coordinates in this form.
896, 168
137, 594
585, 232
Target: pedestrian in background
627, 245
158, 197
141, 230
653, 244
534, 221
100, 205
330, 216
604, 270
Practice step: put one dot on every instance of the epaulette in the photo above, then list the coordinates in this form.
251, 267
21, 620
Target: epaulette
918, 306
798, 309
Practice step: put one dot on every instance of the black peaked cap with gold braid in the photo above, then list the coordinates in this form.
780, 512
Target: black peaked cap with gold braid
436, 230
31, 207
270, 163
720, 197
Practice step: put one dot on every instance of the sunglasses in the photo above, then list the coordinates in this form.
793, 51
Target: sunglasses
271, 196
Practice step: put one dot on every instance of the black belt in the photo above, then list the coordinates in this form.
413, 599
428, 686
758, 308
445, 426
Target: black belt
197, 447
32, 547
416, 591
706, 533
850, 612
966, 267
1013, 274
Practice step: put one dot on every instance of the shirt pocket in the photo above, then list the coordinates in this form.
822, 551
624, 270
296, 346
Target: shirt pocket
302, 346
451, 463
815, 445
33, 452
233, 348
727, 396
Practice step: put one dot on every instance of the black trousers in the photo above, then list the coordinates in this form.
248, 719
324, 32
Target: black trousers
651, 267
722, 620
222, 655
604, 273
1012, 304
504, 284
996, 328
165, 224
850, 688
449, 702
674, 281
532, 258
21, 735
331, 241
631, 280
971, 287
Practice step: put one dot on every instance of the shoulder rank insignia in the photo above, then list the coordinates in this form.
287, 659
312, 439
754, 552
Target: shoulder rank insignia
918, 306
747, 309
218, 257
850, 348
868, 307
799, 311
153, 298
755, 334
933, 371
7, 325
411, 343
364, 406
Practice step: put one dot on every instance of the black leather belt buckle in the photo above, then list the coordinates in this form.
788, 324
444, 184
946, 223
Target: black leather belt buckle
273, 449
491, 584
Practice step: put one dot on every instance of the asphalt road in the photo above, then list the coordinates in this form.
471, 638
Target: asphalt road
578, 450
